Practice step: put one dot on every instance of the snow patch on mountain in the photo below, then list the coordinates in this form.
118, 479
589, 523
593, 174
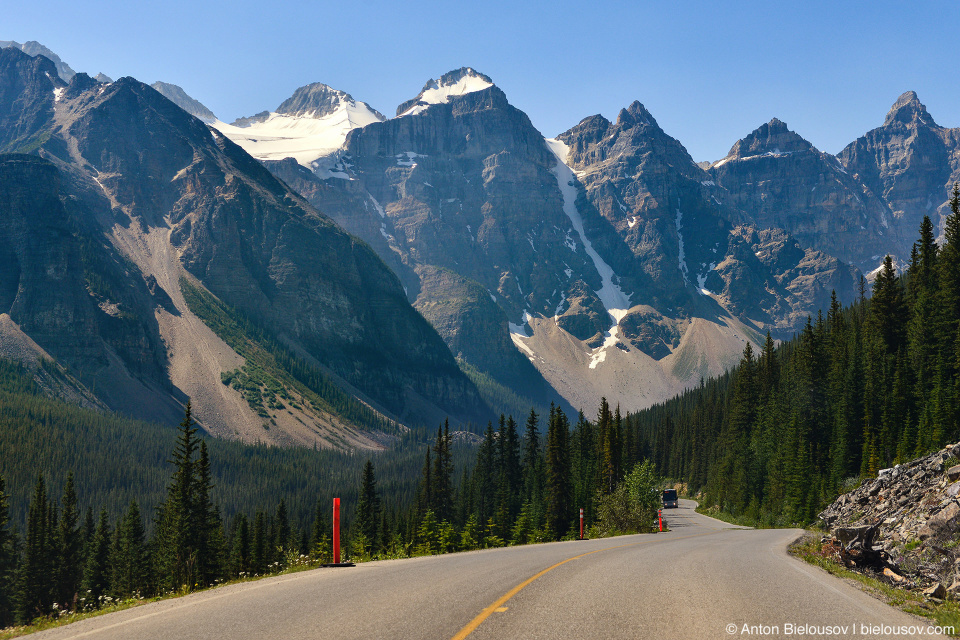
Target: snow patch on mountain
440, 91
613, 298
304, 137
680, 255
702, 280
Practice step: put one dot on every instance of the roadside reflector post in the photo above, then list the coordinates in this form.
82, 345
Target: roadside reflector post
660, 518
581, 523
336, 539
336, 531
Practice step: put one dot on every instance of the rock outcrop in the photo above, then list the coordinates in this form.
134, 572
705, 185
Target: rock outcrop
904, 524
773, 178
910, 163
179, 97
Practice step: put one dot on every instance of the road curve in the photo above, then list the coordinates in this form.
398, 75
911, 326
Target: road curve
702, 579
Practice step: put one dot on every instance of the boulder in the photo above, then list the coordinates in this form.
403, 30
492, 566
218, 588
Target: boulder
944, 519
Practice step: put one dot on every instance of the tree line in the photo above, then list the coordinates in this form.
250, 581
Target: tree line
525, 485
860, 389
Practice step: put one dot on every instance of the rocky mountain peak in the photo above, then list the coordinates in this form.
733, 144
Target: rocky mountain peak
34, 48
318, 100
179, 97
908, 109
453, 83
773, 137
635, 114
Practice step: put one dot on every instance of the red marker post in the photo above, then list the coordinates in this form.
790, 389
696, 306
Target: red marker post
660, 518
581, 524
336, 538
336, 531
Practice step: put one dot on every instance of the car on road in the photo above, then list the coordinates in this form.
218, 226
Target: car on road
670, 499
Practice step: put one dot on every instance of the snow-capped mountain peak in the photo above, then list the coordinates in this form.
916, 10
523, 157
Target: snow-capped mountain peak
309, 126
454, 83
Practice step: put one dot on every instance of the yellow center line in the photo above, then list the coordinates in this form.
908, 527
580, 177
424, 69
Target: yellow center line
498, 604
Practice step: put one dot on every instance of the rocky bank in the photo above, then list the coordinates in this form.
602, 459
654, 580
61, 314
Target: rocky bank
904, 525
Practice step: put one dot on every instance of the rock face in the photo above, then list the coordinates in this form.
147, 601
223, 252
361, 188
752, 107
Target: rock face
910, 163
905, 523
34, 48
690, 237
179, 97
858, 206
773, 178
599, 248
177, 199
318, 100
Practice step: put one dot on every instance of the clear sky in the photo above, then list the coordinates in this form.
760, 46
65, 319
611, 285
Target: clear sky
709, 72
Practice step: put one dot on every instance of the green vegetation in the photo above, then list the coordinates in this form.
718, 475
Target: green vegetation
273, 370
776, 439
498, 397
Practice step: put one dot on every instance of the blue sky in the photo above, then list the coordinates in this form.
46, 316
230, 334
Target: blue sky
710, 72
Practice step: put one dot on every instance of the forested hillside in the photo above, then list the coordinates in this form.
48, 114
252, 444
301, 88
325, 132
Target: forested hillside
859, 389
177, 511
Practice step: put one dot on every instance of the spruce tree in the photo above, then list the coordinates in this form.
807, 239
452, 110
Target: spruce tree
281, 541
320, 533
69, 548
485, 477
207, 535
177, 528
133, 568
35, 577
239, 562
369, 512
559, 511
96, 576
7, 560
258, 550
442, 489
887, 308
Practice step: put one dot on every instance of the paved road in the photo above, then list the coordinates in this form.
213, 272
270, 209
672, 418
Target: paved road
691, 582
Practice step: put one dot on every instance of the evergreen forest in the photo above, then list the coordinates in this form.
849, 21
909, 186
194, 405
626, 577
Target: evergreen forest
858, 390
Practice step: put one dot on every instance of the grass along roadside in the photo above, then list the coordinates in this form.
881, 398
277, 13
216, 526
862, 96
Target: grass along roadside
295, 565
811, 549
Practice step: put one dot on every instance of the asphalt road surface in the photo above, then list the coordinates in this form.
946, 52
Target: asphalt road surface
702, 579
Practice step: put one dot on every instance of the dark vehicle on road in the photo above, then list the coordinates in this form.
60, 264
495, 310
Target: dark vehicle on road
669, 499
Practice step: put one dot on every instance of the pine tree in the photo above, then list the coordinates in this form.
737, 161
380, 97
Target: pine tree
96, 576
281, 541
369, 509
7, 559
258, 551
69, 548
178, 527
320, 533
133, 567
239, 562
559, 490
442, 489
35, 575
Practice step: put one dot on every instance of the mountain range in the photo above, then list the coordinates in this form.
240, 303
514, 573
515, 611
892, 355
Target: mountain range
449, 260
